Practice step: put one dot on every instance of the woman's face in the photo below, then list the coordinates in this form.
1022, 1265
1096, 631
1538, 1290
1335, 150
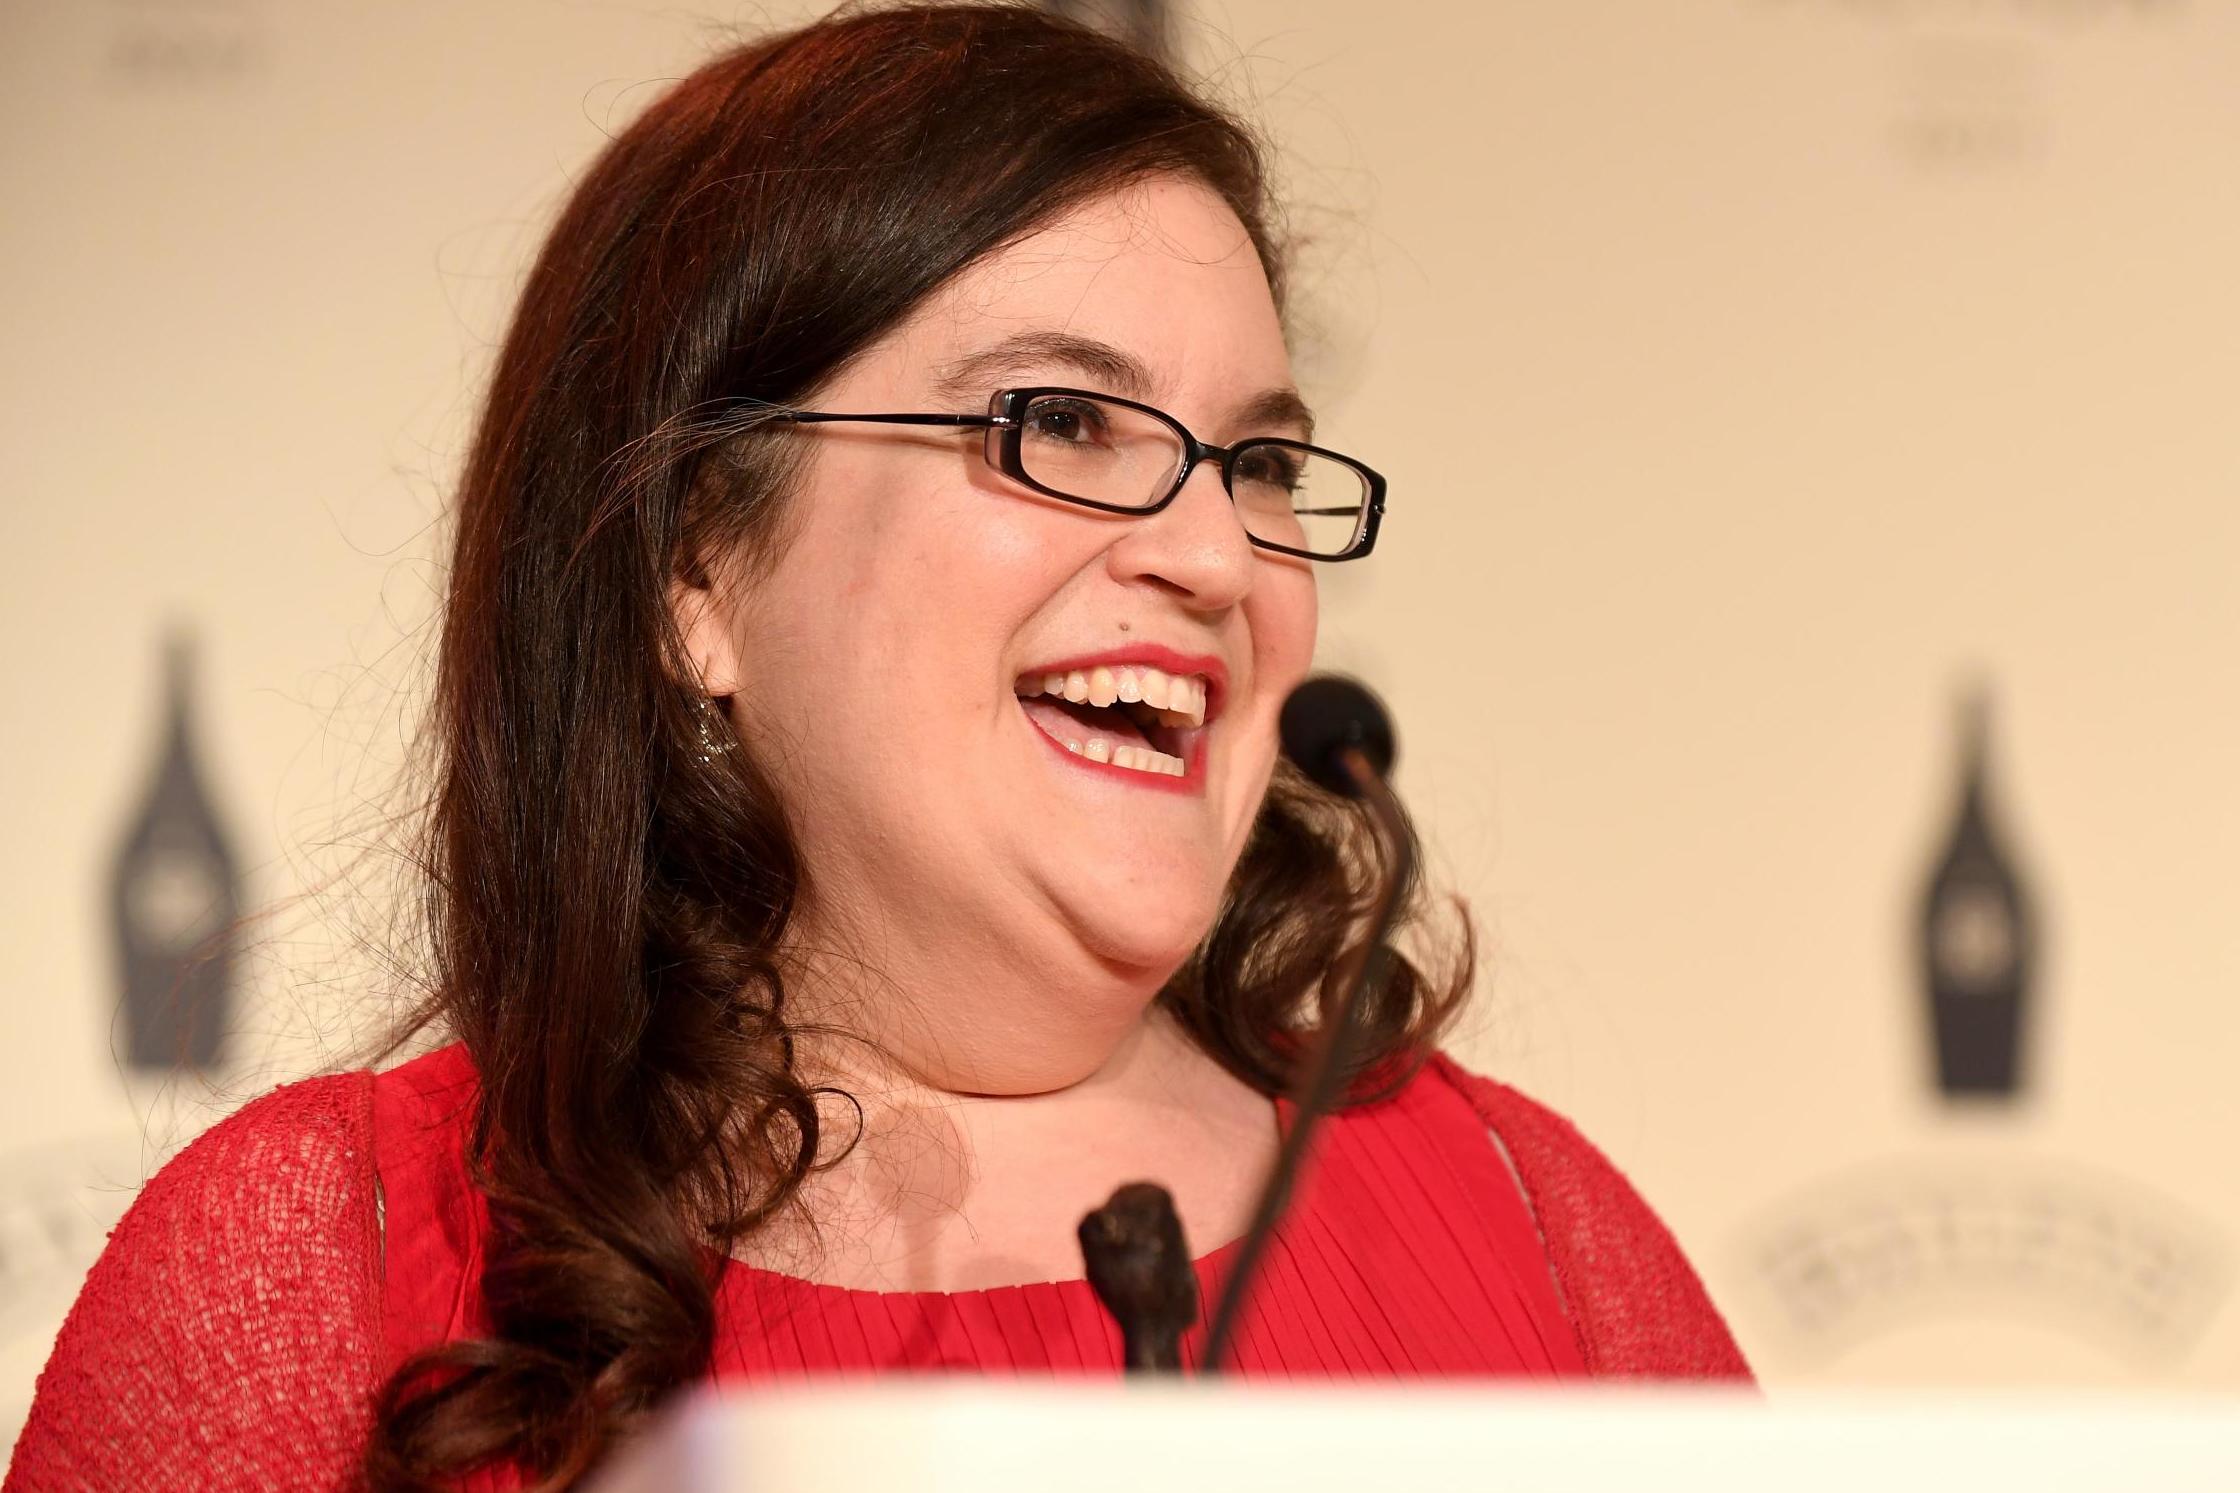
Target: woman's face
1015, 903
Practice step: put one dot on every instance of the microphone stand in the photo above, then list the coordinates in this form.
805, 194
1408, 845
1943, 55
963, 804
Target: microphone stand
1318, 1084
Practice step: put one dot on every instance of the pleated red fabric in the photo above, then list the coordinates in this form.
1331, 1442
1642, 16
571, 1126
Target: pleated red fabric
1408, 1251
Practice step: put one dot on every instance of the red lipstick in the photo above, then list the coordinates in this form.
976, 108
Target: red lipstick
1168, 660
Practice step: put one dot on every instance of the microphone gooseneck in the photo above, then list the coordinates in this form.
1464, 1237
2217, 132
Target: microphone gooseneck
1337, 733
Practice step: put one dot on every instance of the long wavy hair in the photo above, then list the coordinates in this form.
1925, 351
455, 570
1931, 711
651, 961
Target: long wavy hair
608, 906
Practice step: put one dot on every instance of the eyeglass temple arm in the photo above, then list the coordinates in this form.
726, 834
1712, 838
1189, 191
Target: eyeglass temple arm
819, 417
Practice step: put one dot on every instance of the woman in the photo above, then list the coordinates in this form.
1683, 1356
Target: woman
859, 842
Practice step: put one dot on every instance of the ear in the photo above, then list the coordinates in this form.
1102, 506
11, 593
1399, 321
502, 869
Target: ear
704, 621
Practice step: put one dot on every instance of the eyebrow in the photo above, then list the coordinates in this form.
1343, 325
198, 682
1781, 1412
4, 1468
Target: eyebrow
1120, 372
1112, 369
1276, 407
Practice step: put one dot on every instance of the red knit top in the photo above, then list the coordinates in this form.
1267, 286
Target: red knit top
257, 1293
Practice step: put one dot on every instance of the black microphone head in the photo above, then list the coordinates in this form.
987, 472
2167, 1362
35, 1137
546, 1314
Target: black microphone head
1323, 717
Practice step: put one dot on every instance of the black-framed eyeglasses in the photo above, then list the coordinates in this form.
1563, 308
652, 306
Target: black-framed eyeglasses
1116, 455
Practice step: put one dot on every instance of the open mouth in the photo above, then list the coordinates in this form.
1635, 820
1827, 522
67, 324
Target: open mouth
1131, 716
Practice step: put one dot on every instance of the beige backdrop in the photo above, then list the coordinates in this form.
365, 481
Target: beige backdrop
1751, 375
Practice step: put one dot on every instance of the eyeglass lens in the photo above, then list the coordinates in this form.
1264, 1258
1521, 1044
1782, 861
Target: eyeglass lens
1109, 453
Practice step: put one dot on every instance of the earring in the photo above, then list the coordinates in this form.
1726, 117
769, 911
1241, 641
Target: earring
715, 734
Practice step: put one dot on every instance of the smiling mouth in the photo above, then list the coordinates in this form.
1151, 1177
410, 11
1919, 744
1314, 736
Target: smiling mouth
1131, 716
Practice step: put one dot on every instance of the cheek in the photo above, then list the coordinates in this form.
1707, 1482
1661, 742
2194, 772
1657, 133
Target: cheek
890, 621
1285, 610
883, 562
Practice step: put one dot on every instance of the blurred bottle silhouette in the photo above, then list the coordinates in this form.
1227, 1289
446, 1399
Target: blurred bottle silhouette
1978, 939
173, 899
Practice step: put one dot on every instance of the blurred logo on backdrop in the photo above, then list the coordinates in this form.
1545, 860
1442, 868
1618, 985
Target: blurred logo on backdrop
2090, 1253
1976, 937
1969, 89
173, 898
164, 44
1907, 1241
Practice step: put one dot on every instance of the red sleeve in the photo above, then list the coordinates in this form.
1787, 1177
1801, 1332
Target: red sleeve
1639, 1308
226, 1338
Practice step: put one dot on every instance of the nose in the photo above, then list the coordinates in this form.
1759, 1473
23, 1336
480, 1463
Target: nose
1195, 547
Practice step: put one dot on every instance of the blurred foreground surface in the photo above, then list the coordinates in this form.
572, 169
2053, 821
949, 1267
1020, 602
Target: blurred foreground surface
1184, 1438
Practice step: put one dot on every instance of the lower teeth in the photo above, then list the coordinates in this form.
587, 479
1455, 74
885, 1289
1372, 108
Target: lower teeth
1138, 759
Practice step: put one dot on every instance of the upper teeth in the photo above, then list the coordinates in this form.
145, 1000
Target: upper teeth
1180, 699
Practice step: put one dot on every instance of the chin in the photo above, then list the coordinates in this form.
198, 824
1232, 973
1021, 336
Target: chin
1154, 937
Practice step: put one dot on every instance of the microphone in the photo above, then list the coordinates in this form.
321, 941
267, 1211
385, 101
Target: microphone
1140, 1267
1328, 716
1337, 733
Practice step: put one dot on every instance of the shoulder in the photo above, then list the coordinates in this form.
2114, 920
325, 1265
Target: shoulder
1639, 1305
309, 1139
226, 1335
271, 1182
264, 1183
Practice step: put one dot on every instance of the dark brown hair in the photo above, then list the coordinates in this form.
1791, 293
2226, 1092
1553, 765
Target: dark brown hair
607, 910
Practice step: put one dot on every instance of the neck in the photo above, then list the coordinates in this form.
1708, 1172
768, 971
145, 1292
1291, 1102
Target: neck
950, 1004
948, 1190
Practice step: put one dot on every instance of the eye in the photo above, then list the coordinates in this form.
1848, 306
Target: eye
1271, 467
1067, 422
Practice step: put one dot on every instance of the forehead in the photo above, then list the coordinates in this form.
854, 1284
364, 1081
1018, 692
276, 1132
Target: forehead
1161, 270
